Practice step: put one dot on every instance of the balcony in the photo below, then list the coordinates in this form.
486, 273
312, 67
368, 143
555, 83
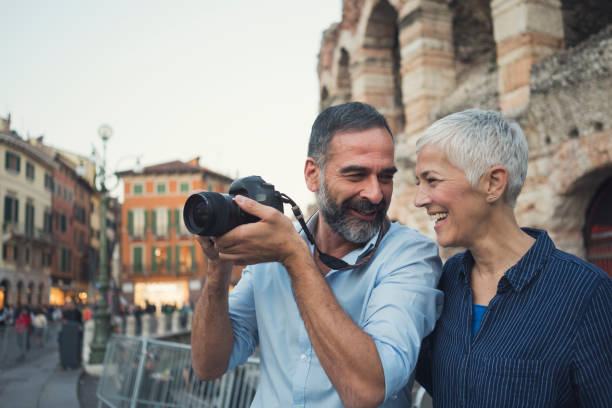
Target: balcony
12, 231
136, 270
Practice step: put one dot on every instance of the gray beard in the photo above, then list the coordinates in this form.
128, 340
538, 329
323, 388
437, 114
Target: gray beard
350, 228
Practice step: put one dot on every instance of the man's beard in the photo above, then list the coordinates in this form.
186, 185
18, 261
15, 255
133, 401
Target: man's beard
349, 227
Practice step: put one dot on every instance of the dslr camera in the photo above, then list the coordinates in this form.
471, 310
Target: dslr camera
213, 214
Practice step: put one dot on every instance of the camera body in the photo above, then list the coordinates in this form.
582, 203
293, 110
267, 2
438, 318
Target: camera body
214, 214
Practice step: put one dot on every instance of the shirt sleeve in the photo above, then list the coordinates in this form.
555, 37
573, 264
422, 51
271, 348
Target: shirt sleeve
243, 319
403, 308
593, 350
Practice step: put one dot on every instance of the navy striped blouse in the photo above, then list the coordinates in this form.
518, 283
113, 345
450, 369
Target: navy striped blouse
544, 341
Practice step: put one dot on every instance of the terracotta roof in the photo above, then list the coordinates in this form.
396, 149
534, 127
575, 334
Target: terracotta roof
175, 166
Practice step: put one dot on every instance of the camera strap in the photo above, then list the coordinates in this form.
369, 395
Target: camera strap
329, 260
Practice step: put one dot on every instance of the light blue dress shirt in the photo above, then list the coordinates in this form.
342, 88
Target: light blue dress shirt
393, 298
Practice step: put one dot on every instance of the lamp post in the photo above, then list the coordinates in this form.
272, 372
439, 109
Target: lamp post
102, 313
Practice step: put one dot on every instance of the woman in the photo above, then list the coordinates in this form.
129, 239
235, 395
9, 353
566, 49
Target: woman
524, 324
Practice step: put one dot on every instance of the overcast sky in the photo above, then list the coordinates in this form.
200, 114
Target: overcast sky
231, 81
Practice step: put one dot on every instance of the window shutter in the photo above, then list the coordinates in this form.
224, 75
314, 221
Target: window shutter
146, 226
177, 259
16, 203
177, 220
6, 160
8, 208
137, 261
131, 222
169, 258
153, 260
169, 220
18, 163
154, 221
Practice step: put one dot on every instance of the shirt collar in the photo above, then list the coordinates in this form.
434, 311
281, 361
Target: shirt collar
352, 257
520, 275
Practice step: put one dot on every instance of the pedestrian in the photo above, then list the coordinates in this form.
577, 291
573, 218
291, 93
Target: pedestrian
39, 324
23, 325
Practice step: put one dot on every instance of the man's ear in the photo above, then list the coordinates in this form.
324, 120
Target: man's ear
312, 174
496, 181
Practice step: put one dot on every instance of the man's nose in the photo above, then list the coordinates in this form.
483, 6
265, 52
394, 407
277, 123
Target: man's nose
372, 190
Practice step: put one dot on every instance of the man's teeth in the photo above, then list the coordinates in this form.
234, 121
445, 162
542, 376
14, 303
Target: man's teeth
438, 216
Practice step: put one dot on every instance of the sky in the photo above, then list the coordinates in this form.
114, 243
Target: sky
231, 81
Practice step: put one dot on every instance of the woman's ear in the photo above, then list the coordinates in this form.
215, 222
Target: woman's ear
312, 174
495, 182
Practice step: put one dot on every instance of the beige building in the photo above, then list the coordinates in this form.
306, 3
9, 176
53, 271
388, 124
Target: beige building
26, 188
545, 63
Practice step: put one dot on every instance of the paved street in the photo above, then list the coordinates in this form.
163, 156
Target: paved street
39, 382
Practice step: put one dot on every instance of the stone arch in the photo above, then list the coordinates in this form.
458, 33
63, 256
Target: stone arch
325, 99
20, 294
30, 293
598, 228
473, 40
377, 67
5, 291
568, 223
583, 18
41, 294
343, 77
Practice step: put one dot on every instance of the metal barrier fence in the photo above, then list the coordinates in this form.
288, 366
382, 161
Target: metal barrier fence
15, 347
140, 372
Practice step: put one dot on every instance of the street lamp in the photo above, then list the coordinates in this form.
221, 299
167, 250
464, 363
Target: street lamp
102, 313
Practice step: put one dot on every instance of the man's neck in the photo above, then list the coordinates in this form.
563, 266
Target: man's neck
330, 242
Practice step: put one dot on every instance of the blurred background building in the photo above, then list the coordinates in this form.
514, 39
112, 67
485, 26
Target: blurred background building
26, 191
546, 64
160, 262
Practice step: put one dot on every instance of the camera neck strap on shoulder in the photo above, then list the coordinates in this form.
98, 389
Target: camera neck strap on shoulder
329, 260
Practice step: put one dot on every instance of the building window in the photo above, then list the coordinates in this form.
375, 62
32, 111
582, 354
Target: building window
137, 189
29, 219
27, 256
137, 222
12, 162
161, 188
184, 188
65, 260
49, 183
160, 222
161, 259
185, 261
11, 210
58, 189
29, 171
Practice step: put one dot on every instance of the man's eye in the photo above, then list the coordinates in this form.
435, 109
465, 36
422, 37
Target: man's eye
386, 177
432, 180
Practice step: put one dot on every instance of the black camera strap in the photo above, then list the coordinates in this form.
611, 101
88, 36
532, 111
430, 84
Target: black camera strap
329, 260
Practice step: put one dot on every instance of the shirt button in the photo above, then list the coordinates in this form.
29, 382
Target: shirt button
303, 357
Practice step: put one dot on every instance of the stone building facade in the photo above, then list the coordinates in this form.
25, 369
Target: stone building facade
546, 64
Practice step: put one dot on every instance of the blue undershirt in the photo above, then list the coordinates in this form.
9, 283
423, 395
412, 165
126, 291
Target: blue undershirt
479, 310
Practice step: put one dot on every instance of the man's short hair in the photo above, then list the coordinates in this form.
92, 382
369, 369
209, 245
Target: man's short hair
340, 118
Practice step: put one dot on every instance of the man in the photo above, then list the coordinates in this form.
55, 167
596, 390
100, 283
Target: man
328, 337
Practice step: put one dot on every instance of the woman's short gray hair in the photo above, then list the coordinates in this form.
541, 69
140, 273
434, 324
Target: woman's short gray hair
475, 140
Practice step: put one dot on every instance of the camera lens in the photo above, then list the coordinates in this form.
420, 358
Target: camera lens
201, 214
210, 214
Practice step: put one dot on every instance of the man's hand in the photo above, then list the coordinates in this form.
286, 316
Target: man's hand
271, 239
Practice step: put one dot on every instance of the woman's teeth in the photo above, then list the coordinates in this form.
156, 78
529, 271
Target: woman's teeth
438, 216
